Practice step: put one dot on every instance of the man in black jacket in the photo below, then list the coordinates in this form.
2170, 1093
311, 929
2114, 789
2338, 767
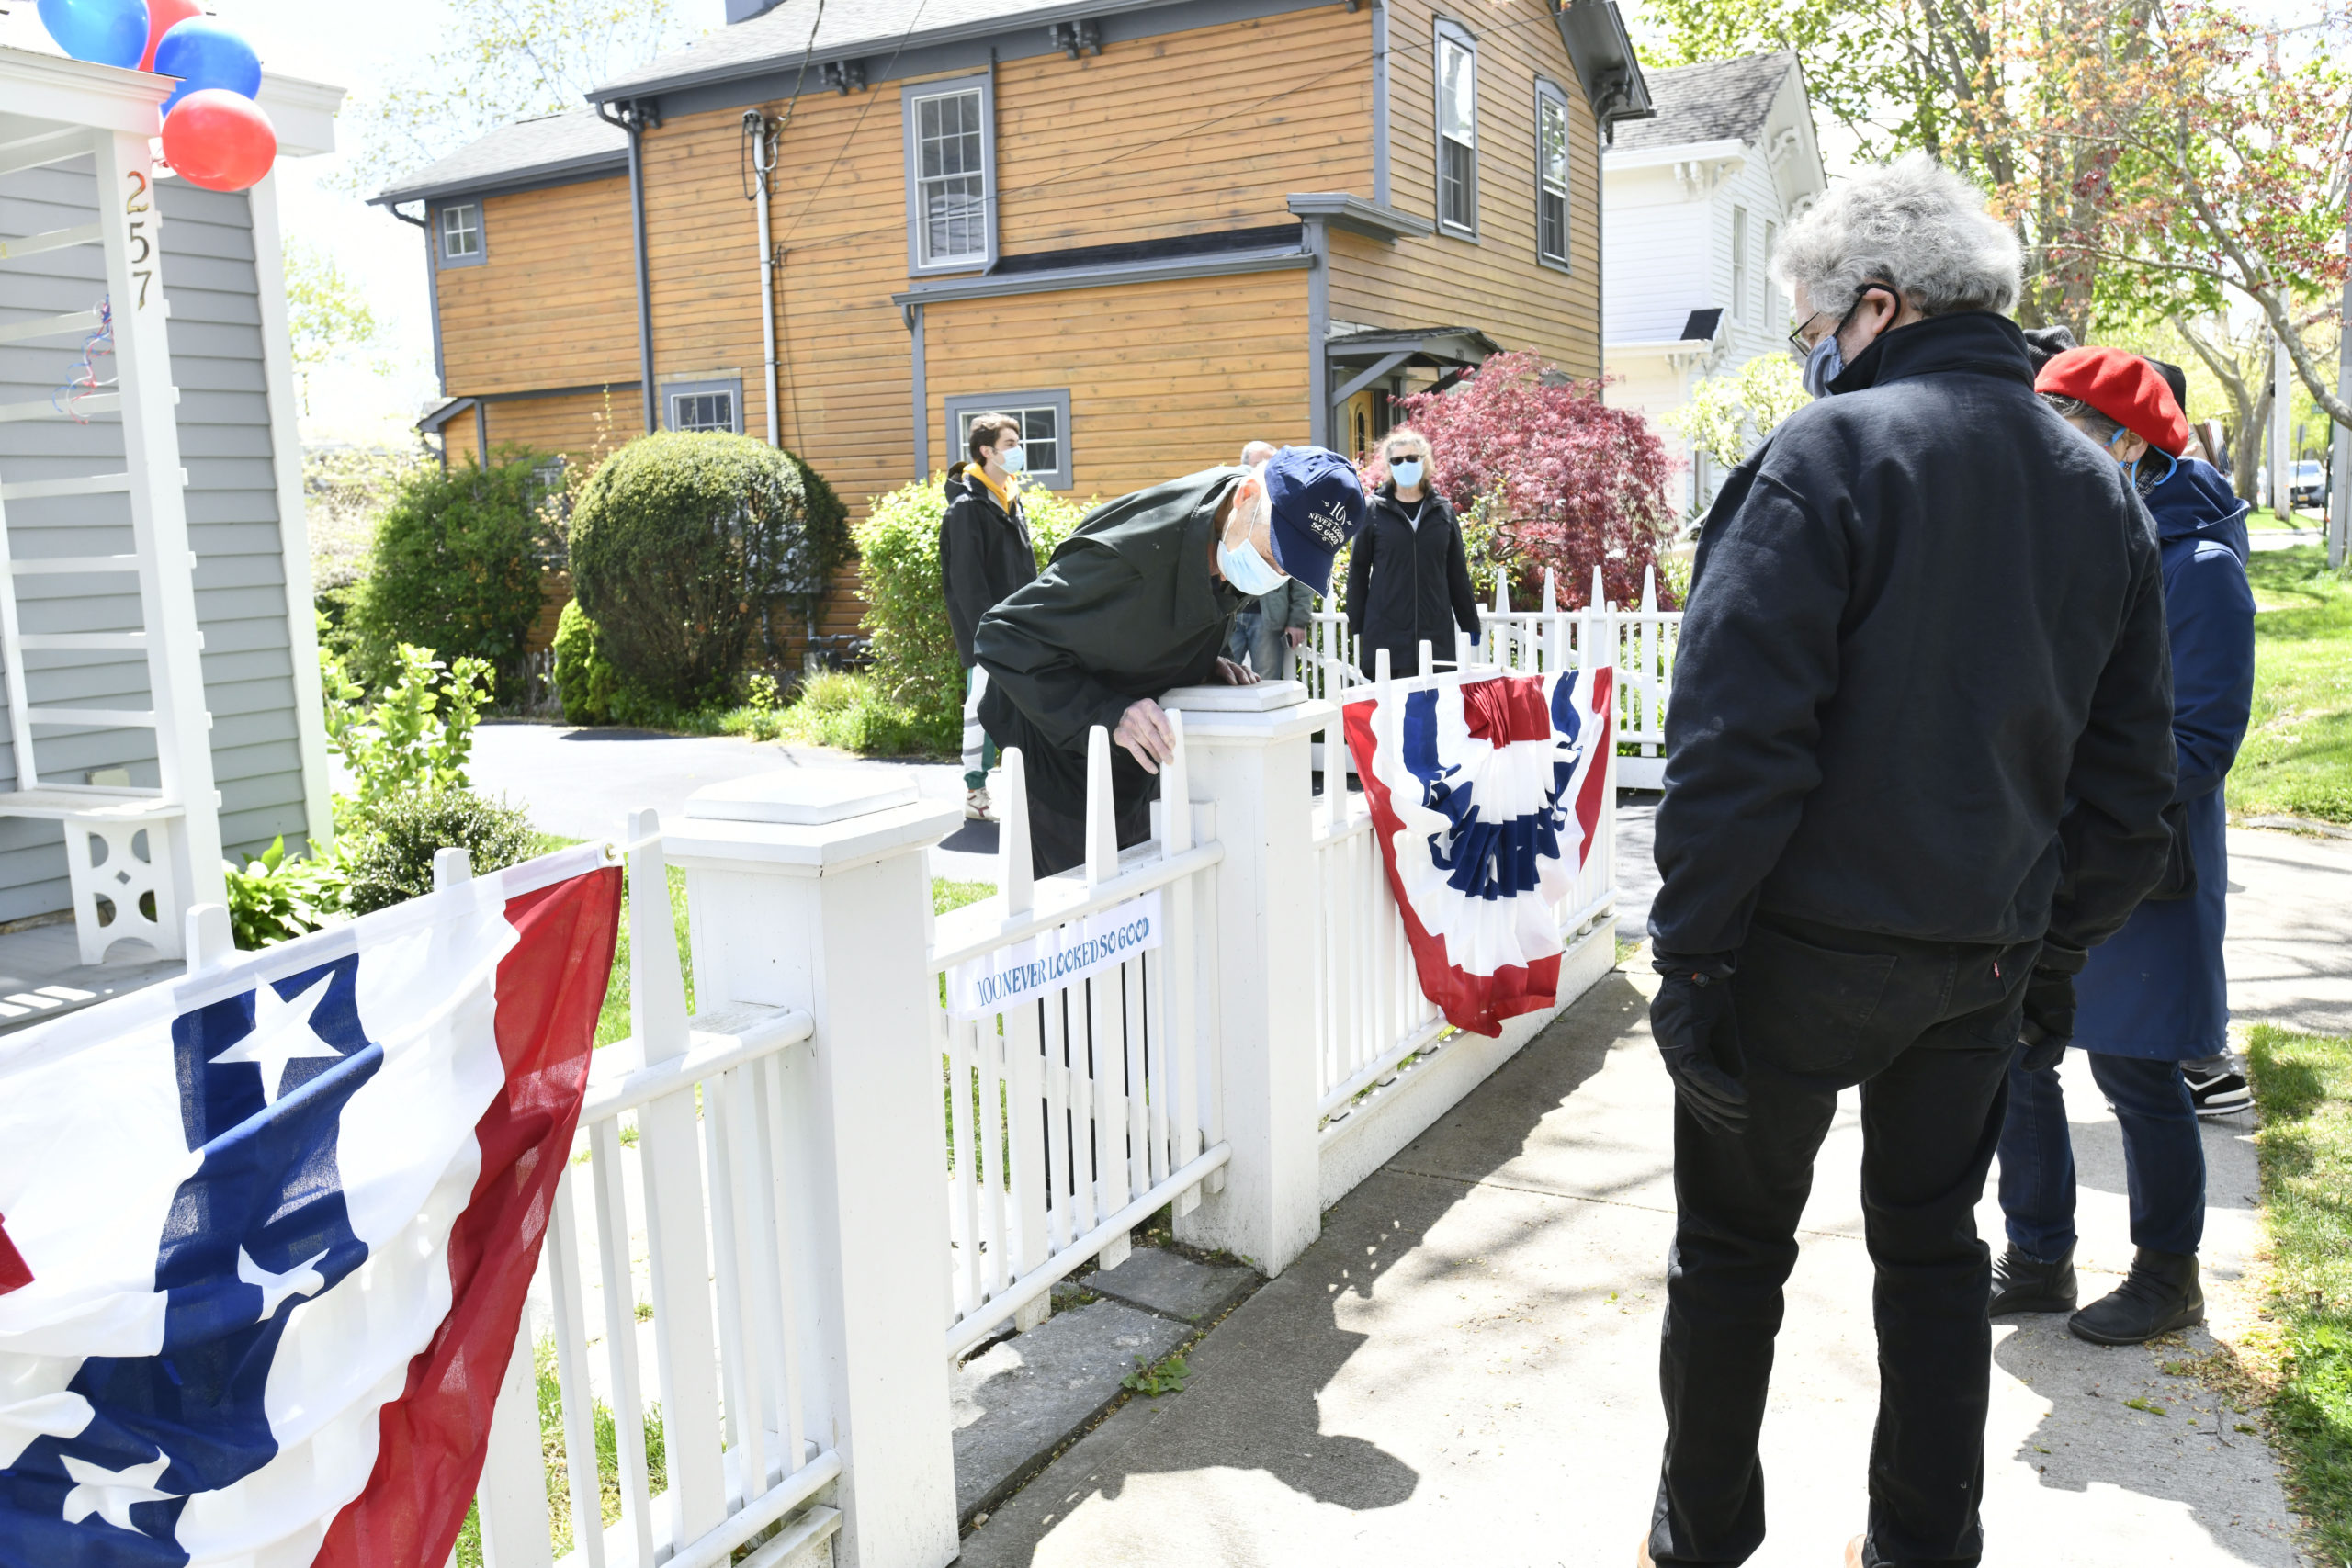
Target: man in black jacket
1137, 600
1918, 759
984, 554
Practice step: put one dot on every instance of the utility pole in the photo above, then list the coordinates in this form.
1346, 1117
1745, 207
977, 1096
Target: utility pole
2339, 471
2282, 416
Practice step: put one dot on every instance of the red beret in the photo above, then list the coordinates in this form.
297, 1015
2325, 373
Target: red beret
2122, 386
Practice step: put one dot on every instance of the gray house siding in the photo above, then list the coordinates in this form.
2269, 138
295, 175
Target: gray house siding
225, 446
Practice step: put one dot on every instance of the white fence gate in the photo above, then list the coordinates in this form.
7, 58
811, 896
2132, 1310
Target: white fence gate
753, 1257
1646, 638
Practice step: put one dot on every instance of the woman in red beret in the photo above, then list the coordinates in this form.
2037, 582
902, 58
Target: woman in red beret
2154, 994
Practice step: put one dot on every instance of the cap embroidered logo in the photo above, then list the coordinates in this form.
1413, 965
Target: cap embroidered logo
1330, 524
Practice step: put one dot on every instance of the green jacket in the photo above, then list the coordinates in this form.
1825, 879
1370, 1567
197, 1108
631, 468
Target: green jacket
1126, 608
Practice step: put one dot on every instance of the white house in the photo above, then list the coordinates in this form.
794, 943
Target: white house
1693, 201
159, 682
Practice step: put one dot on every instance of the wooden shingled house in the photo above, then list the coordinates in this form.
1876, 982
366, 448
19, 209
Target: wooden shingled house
1155, 230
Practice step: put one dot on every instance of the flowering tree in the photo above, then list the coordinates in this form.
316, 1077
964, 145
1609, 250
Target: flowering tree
1564, 481
1727, 416
2197, 154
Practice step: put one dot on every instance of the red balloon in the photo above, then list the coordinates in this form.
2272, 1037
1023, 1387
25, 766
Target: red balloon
219, 140
162, 16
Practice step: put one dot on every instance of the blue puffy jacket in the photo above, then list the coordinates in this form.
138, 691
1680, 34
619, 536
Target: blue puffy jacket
2157, 988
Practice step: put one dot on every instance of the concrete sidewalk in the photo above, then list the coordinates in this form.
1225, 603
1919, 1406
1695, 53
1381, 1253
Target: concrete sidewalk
1463, 1368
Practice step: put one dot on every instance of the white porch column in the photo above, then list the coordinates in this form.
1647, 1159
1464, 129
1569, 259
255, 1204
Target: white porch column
808, 890
1248, 750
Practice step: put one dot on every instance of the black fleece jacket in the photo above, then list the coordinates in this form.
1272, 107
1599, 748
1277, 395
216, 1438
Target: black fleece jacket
1923, 688
984, 554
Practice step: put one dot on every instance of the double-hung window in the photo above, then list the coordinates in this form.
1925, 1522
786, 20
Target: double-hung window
1045, 430
951, 174
1773, 310
1457, 130
461, 235
1739, 264
1551, 175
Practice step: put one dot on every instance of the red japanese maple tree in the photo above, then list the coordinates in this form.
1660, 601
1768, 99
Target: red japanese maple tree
1569, 482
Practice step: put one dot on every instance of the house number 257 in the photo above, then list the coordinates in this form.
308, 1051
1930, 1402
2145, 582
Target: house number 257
142, 249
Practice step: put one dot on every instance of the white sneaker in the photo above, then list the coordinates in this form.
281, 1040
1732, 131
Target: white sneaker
976, 807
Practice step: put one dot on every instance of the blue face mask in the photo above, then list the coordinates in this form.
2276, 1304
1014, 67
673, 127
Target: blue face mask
1246, 568
1013, 460
1823, 364
1408, 473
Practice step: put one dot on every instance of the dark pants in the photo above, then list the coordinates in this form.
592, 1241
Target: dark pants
1927, 1030
1057, 840
2163, 1157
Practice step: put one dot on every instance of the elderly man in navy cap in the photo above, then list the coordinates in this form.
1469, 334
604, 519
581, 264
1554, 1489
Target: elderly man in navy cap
1139, 600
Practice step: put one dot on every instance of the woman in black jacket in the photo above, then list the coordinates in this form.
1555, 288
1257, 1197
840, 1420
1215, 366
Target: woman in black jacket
984, 554
1408, 579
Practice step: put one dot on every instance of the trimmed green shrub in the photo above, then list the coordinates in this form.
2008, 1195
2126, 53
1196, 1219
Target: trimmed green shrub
851, 713
584, 679
678, 543
456, 568
395, 863
915, 663
279, 897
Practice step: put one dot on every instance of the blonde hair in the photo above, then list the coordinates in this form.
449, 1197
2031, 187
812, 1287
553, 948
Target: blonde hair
1413, 439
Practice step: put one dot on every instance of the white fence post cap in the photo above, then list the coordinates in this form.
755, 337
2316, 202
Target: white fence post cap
801, 797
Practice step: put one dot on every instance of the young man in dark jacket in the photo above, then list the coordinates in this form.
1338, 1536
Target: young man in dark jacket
984, 554
1918, 762
1409, 576
1138, 601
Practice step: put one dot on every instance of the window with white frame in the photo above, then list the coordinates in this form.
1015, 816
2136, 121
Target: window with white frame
461, 234
1773, 310
950, 173
1045, 430
704, 405
1457, 130
1551, 175
1739, 264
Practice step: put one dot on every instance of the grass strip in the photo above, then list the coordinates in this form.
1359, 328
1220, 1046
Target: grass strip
2302, 1084
2297, 760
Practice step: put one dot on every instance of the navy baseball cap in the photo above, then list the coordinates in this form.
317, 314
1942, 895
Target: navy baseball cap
1318, 505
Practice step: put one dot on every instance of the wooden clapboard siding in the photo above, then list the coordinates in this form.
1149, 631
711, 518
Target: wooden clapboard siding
1493, 283
1164, 378
554, 302
840, 213
583, 428
1184, 133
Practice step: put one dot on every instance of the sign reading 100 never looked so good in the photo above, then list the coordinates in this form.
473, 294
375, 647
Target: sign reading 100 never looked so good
998, 981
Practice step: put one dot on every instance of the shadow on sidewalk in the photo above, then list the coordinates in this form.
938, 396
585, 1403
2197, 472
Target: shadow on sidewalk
1260, 1381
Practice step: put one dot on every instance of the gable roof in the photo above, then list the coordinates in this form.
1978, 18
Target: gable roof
845, 28
550, 150
1716, 100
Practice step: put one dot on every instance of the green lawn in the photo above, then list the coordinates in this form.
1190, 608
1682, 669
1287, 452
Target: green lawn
2298, 753
2262, 517
2303, 1085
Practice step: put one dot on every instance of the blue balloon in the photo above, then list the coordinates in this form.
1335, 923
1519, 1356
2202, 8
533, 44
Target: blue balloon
110, 32
203, 53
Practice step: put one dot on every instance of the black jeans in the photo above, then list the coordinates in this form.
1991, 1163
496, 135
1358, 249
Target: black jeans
1927, 1030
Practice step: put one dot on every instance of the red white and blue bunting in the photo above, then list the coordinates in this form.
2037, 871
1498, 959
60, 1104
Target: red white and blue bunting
1485, 794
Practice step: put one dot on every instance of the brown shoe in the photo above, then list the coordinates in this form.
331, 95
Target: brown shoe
1854, 1552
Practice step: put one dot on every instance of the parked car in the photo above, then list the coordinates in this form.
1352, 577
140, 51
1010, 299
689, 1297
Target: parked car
2309, 485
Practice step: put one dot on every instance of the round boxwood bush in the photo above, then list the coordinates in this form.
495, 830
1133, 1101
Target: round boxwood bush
396, 862
915, 662
456, 568
679, 543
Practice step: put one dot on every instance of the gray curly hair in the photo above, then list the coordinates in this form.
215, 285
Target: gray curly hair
1913, 223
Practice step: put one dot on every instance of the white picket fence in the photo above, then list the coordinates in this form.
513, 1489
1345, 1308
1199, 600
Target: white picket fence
1646, 638
1077, 1113
754, 1238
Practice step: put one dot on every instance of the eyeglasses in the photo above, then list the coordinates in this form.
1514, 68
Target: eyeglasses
1803, 346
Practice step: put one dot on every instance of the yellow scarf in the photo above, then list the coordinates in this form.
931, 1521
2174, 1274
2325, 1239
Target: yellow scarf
1003, 495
